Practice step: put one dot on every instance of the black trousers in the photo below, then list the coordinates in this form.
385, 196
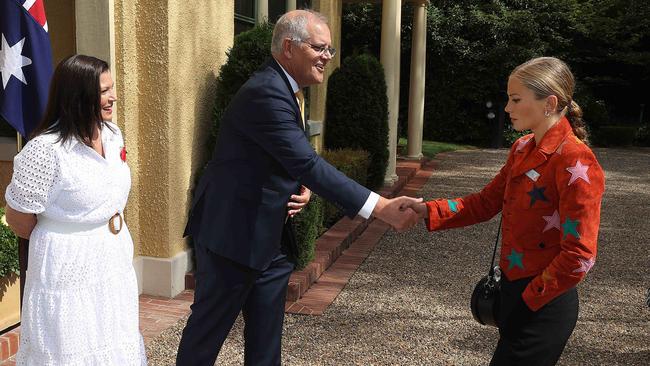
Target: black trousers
530, 338
223, 289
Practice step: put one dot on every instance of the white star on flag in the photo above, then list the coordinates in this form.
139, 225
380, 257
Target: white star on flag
578, 171
12, 61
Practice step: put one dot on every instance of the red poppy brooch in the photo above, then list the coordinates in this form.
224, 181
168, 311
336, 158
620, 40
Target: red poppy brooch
123, 154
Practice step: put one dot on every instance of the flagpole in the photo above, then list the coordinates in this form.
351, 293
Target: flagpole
23, 244
19, 141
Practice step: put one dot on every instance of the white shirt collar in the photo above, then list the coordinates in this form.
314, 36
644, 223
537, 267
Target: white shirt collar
294, 84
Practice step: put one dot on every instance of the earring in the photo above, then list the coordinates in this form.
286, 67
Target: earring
547, 114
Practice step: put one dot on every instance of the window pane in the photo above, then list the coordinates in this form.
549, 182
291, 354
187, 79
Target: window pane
276, 9
242, 26
245, 8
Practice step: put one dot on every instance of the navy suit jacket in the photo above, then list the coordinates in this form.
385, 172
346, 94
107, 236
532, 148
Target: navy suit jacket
261, 158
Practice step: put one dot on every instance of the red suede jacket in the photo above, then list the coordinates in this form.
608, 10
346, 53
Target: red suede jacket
550, 197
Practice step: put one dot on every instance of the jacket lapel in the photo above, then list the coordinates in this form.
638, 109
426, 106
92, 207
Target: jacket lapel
532, 156
274, 64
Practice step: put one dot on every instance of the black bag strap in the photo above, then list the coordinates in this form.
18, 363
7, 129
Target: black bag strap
496, 243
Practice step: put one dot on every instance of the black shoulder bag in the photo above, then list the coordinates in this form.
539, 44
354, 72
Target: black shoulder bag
485, 297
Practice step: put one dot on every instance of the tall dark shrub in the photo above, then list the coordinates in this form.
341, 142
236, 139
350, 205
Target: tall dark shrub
357, 112
354, 164
249, 51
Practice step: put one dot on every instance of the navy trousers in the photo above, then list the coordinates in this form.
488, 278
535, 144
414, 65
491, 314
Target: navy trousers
533, 338
223, 289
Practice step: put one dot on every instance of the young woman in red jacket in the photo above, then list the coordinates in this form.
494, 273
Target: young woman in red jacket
549, 192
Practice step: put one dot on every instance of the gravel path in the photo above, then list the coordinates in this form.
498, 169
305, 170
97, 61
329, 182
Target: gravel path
408, 302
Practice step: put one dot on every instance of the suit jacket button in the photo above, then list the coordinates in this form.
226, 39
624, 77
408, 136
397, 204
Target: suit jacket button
542, 245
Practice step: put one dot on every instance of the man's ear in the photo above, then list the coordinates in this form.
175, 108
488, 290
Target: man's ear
287, 48
551, 103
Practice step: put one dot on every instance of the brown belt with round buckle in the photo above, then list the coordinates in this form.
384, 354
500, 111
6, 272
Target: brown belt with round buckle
115, 223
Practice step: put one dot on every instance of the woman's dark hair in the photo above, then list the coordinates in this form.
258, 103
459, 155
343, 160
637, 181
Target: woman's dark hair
74, 103
547, 76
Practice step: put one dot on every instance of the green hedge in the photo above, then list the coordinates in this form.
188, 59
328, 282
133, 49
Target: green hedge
8, 249
320, 214
309, 226
249, 52
616, 135
643, 135
353, 163
357, 113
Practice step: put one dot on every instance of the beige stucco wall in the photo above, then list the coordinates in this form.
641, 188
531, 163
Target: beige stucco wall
6, 170
333, 10
168, 55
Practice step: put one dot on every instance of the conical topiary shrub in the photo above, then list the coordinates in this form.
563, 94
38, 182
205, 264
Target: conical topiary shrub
357, 113
249, 51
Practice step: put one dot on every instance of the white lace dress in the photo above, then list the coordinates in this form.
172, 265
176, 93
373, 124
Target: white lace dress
81, 297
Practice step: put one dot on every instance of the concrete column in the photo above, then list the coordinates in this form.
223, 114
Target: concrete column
391, 14
95, 29
416, 89
291, 5
333, 10
262, 11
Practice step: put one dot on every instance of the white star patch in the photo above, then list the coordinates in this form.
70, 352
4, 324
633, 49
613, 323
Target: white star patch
578, 171
12, 61
585, 265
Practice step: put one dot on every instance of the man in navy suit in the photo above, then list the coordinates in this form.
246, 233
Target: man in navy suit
261, 164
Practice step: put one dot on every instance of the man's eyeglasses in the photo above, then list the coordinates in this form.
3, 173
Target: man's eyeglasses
319, 49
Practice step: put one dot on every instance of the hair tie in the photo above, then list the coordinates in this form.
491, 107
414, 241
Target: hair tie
569, 106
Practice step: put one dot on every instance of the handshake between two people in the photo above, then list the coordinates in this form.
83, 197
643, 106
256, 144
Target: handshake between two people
401, 213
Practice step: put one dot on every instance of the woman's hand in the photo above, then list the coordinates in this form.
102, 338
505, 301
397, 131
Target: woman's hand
20, 223
420, 209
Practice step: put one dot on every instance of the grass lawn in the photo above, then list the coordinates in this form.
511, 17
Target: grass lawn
431, 148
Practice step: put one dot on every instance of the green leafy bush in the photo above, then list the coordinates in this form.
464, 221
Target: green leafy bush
643, 135
248, 53
357, 113
510, 135
616, 135
8, 249
354, 164
309, 226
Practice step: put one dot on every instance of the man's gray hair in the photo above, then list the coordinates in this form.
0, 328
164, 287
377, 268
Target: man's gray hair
293, 27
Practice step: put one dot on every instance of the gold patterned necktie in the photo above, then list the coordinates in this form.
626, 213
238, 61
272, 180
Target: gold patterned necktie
301, 103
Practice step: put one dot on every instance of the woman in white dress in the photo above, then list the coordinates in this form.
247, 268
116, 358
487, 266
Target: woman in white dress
67, 195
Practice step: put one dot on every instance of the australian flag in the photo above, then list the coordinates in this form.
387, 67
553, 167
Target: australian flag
25, 63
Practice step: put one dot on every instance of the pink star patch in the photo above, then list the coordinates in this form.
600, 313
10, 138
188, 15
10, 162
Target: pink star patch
578, 171
585, 265
552, 221
522, 144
